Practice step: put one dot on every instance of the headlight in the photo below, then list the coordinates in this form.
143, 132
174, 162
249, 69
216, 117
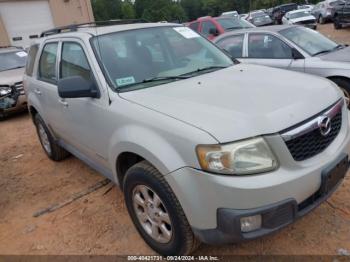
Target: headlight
240, 158
5, 90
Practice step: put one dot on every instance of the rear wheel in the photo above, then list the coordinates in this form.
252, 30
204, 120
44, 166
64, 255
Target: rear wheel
344, 85
51, 148
156, 212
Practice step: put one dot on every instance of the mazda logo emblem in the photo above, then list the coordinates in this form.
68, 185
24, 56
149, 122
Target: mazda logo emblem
325, 125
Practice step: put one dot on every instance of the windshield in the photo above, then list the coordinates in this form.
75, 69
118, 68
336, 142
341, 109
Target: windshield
12, 60
147, 57
229, 24
309, 40
299, 15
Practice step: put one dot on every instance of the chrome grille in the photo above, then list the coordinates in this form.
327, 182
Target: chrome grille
19, 87
306, 140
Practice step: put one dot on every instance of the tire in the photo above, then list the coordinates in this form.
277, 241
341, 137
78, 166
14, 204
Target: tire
142, 182
337, 24
51, 148
344, 85
321, 20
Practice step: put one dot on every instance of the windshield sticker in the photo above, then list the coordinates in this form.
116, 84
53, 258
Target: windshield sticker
186, 32
125, 81
21, 54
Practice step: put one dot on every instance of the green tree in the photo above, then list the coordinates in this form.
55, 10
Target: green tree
128, 11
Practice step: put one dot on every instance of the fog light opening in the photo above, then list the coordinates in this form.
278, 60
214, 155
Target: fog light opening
251, 223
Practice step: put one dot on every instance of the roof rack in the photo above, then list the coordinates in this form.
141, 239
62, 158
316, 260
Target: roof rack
75, 27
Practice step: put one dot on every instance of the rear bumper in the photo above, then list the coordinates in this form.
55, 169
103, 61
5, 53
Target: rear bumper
274, 218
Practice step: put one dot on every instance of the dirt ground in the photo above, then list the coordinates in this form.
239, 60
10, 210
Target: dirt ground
99, 223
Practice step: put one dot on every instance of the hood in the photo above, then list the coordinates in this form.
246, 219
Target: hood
240, 101
9, 77
301, 19
341, 55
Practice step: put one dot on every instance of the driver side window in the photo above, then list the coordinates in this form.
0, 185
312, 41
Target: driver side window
266, 46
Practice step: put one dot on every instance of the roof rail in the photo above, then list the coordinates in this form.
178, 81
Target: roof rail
75, 27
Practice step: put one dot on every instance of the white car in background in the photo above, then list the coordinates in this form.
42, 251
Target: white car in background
308, 8
300, 17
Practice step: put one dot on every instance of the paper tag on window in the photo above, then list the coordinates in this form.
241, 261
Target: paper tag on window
186, 32
21, 54
125, 81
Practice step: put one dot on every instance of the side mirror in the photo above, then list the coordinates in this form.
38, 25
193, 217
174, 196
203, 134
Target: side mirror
296, 54
76, 86
213, 31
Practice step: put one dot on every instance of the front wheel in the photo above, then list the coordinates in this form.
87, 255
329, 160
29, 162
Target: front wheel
344, 85
337, 24
156, 212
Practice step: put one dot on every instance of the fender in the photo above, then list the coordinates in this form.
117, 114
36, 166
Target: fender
147, 144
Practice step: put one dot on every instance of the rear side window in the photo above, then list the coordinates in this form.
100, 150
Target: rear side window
233, 45
33, 51
194, 26
74, 62
47, 64
267, 47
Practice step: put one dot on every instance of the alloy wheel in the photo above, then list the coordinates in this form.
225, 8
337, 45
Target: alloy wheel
44, 138
152, 214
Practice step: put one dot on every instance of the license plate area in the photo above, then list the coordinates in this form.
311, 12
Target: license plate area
333, 174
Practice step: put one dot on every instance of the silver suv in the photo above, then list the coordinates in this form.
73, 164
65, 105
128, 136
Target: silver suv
12, 96
204, 149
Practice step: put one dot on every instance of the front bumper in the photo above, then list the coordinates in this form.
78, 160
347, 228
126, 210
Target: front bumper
213, 203
274, 218
20, 104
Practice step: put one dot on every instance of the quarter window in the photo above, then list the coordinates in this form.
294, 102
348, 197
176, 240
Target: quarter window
47, 65
267, 46
233, 45
31, 59
74, 62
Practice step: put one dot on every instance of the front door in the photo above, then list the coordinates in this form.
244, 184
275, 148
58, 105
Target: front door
83, 118
269, 50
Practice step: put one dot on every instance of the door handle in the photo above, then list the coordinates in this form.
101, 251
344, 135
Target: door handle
63, 102
37, 91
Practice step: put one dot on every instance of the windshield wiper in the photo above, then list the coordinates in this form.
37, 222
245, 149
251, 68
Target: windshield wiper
323, 52
13, 68
209, 68
163, 78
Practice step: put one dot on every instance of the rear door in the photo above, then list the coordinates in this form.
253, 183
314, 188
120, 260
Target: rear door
269, 50
45, 87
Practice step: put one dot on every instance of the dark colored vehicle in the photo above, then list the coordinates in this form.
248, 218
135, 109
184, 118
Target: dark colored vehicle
259, 18
341, 14
211, 27
279, 11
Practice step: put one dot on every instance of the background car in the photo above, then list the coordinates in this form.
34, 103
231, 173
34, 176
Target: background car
259, 18
279, 11
12, 95
324, 11
233, 14
293, 48
211, 27
300, 17
341, 14
308, 8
